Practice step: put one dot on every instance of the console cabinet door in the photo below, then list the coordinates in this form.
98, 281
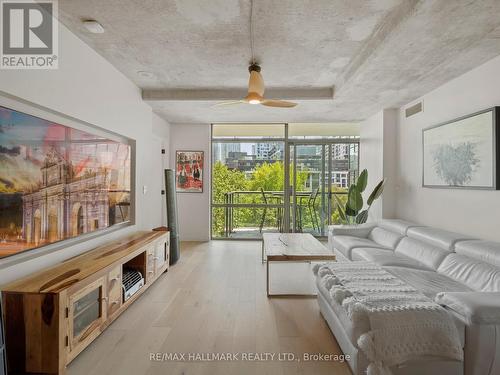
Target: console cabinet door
167, 250
87, 313
161, 256
150, 263
115, 293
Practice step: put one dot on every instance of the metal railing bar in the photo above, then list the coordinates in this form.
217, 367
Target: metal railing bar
247, 205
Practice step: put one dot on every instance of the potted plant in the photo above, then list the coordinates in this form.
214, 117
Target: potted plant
352, 212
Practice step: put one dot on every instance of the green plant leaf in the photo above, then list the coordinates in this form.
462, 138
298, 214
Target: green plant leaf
376, 193
355, 200
362, 180
340, 209
349, 211
362, 217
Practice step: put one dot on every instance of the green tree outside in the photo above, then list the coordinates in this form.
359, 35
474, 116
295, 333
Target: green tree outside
267, 176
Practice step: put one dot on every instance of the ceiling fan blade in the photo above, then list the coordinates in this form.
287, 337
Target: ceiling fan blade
256, 83
231, 102
278, 103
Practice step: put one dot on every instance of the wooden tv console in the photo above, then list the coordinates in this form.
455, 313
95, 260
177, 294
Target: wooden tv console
51, 316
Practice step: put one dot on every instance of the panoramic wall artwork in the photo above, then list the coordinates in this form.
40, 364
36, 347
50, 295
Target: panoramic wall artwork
462, 153
189, 171
57, 182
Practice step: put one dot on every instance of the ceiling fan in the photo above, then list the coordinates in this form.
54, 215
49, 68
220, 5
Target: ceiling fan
256, 82
256, 92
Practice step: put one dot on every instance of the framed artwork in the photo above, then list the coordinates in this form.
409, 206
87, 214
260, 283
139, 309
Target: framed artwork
58, 182
463, 153
189, 171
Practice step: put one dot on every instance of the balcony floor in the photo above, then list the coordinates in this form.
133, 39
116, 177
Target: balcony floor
247, 233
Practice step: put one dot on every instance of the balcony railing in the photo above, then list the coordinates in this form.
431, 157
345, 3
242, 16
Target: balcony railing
247, 214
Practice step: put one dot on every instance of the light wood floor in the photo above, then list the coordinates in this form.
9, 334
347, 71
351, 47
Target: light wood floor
212, 300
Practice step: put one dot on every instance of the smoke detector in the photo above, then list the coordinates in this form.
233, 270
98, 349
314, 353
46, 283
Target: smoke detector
93, 26
145, 74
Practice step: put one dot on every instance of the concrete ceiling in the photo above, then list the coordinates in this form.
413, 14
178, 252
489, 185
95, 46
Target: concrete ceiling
375, 53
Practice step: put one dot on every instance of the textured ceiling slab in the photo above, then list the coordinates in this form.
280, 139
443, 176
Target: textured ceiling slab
376, 53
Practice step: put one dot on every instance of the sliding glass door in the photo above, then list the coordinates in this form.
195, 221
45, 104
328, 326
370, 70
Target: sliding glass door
247, 180
307, 181
321, 173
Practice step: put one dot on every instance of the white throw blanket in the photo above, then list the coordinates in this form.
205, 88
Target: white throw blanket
404, 324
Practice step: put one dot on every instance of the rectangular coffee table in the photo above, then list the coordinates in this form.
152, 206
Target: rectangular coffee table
292, 247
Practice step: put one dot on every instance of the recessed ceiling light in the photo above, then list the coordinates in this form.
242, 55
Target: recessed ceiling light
145, 74
93, 26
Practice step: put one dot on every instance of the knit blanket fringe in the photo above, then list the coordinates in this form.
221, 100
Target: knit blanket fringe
404, 323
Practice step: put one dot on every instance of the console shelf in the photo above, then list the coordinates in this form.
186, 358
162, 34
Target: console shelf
51, 316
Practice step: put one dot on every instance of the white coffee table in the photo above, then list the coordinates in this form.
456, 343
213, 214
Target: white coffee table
292, 247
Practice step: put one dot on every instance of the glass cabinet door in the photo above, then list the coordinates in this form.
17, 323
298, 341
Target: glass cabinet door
86, 313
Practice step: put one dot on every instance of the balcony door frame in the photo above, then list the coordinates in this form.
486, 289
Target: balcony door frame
289, 207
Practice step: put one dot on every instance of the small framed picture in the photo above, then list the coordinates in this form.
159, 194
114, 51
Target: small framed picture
189, 171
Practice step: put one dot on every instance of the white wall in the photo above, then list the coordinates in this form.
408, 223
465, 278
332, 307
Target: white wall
371, 155
390, 163
193, 208
90, 89
161, 130
377, 154
474, 212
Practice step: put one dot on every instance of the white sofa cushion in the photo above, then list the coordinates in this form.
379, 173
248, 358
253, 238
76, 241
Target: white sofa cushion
345, 244
385, 258
422, 252
475, 274
486, 251
428, 282
396, 225
437, 237
475, 307
385, 237
361, 230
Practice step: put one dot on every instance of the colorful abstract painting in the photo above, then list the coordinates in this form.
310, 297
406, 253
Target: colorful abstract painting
57, 182
189, 171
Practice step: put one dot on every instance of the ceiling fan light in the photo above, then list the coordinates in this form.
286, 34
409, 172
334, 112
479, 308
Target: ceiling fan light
253, 98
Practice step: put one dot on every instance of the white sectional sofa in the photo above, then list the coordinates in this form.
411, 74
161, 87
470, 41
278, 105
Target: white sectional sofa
458, 272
